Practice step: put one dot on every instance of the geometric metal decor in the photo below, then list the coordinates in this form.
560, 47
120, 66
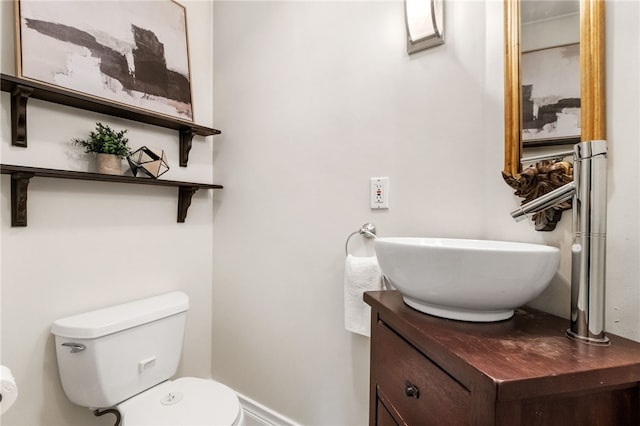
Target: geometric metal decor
150, 161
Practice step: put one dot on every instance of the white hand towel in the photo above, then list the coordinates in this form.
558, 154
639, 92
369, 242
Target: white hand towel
360, 274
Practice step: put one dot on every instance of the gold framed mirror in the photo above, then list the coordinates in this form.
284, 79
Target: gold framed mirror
591, 102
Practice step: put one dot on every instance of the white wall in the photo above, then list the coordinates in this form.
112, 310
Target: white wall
316, 97
552, 32
90, 245
313, 99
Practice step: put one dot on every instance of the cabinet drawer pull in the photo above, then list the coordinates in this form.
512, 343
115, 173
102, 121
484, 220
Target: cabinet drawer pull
411, 390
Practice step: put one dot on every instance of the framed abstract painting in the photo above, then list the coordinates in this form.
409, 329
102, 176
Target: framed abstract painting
129, 52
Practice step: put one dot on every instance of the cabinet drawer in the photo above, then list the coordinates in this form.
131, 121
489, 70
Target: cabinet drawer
417, 389
384, 417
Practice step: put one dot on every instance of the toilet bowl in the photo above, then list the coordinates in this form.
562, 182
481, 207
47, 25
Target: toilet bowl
123, 357
184, 401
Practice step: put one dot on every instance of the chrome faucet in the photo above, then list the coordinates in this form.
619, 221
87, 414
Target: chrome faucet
588, 256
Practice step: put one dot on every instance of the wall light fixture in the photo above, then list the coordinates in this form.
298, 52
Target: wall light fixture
425, 24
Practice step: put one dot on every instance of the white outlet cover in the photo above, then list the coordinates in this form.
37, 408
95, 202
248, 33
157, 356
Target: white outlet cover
379, 193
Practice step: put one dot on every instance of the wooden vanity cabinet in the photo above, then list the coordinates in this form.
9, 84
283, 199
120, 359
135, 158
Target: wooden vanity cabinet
522, 371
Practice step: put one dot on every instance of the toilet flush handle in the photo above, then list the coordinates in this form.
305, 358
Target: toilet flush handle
75, 347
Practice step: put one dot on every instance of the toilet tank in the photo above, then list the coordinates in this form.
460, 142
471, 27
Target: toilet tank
109, 355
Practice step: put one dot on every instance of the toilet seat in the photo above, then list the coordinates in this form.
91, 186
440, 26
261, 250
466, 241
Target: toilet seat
185, 401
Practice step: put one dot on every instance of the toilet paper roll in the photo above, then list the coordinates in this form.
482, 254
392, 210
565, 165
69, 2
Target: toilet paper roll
8, 389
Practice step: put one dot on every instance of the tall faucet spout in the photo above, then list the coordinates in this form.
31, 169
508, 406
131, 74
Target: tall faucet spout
588, 257
546, 201
588, 254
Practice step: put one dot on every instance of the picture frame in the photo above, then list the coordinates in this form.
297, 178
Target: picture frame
126, 52
551, 95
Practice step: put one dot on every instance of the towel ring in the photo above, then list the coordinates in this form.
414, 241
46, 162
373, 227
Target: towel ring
368, 230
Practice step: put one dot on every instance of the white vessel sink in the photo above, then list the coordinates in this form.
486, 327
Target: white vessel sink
469, 280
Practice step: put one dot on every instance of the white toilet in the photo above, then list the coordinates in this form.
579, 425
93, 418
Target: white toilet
122, 357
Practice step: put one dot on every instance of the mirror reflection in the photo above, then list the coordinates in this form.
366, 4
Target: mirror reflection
544, 112
550, 75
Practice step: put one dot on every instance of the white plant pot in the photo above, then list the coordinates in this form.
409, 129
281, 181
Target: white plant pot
109, 164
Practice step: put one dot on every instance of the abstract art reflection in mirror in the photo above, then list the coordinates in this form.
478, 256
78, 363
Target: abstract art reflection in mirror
551, 96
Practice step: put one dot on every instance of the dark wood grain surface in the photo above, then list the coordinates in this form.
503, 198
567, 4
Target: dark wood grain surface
519, 371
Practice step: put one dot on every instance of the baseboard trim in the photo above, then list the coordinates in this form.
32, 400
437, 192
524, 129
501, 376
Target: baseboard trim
257, 414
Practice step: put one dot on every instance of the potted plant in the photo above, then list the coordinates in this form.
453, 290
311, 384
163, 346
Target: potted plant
109, 145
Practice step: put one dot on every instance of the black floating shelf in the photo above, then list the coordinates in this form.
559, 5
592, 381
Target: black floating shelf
23, 89
21, 175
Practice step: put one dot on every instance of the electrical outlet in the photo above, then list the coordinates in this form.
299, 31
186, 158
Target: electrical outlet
379, 189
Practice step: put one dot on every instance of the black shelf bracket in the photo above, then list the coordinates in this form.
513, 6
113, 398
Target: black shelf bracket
186, 140
19, 97
184, 201
19, 185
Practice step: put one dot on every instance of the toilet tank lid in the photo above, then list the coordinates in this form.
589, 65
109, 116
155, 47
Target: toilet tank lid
94, 324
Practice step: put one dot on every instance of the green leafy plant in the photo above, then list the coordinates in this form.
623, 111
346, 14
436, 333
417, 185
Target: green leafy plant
105, 140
